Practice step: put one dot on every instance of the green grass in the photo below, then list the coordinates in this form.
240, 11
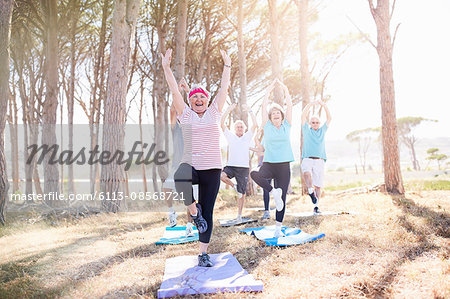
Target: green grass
428, 185
412, 185
346, 186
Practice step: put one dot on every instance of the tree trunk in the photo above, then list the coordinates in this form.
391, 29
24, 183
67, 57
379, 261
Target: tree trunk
5, 26
96, 102
141, 108
51, 173
180, 40
25, 113
205, 51
416, 165
242, 63
160, 123
28, 166
34, 135
392, 172
13, 129
409, 142
305, 83
71, 98
112, 174
243, 81
277, 71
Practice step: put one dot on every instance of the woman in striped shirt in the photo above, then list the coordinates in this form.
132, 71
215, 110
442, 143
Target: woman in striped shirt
202, 159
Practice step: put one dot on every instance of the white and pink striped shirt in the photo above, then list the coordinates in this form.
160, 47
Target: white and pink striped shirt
201, 137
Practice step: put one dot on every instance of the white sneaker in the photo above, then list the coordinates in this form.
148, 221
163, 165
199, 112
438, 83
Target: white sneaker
279, 234
173, 219
266, 215
239, 219
189, 230
277, 193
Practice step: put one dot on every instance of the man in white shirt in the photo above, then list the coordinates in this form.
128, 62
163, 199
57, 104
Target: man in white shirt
238, 163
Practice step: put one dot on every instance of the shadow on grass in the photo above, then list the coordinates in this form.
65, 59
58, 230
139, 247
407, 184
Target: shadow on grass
17, 277
95, 268
16, 281
134, 292
438, 222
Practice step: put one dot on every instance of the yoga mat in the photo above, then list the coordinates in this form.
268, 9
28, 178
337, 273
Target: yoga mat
231, 222
176, 235
294, 236
259, 209
183, 277
324, 213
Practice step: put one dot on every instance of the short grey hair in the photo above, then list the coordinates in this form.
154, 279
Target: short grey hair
314, 116
240, 122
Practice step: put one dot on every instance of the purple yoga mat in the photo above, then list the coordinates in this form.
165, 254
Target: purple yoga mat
182, 277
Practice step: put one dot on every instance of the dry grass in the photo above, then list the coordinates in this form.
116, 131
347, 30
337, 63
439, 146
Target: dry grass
393, 247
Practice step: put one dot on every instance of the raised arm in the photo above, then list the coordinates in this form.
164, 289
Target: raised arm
259, 148
184, 86
327, 111
305, 112
264, 115
254, 126
225, 116
225, 82
173, 86
288, 98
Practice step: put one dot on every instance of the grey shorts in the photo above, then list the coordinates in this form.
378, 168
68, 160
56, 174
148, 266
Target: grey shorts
241, 175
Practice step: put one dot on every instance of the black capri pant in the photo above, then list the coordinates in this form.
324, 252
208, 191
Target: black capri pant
281, 174
208, 182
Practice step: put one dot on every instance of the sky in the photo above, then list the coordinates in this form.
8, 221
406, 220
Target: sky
421, 66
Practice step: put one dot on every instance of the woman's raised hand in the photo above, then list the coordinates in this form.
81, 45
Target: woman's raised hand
183, 85
245, 108
226, 58
271, 86
166, 58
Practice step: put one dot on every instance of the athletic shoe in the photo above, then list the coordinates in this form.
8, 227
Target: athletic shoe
239, 219
199, 221
173, 219
316, 210
279, 234
313, 198
189, 230
277, 193
204, 261
266, 215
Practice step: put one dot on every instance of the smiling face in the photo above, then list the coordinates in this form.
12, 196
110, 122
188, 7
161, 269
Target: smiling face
314, 122
199, 102
239, 128
276, 116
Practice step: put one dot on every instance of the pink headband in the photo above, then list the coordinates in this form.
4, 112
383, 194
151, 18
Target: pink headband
197, 90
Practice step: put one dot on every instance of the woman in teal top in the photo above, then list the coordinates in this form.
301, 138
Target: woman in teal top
277, 152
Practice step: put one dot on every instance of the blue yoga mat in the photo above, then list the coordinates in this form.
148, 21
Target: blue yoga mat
294, 236
176, 235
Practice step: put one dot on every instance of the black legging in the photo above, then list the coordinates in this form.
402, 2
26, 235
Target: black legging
281, 174
266, 198
208, 186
